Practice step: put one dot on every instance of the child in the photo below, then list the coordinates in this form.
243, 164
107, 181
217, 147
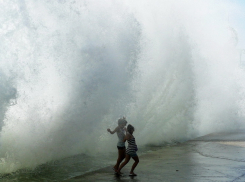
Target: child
130, 152
120, 129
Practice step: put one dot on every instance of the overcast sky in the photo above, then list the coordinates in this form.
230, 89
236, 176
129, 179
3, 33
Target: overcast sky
237, 21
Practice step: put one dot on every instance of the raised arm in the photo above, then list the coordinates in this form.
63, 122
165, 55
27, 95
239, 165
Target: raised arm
112, 132
127, 137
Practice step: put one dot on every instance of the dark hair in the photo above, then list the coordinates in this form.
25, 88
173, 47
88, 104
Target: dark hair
122, 121
130, 129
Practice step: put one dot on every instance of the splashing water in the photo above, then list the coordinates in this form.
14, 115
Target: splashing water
70, 69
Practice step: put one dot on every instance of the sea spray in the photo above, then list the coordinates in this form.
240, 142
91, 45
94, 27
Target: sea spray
69, 70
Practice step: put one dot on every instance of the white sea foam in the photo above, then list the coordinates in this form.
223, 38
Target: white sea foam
69, 70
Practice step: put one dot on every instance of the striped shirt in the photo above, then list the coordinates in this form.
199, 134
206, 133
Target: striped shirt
132, 147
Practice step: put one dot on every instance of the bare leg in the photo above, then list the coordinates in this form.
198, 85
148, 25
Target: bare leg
121, 156
136, 161
124, 163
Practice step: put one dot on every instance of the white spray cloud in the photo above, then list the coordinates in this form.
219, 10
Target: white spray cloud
169, 67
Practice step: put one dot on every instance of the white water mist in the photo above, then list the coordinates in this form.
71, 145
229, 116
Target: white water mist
70, 69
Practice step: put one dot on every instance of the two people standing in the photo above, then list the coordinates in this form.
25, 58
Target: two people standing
128, 153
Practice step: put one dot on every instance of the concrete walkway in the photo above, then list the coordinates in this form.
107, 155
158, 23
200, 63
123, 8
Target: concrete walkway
216, 157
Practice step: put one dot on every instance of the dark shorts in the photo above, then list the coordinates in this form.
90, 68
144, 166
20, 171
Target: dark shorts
132, 154
120, 148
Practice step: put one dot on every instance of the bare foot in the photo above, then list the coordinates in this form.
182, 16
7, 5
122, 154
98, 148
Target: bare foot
119, 173
114, 169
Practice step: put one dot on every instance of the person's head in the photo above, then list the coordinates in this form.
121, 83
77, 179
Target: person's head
122, 122
130, 129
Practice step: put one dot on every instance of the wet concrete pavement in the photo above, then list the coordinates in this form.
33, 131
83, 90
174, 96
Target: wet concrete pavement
213, 158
